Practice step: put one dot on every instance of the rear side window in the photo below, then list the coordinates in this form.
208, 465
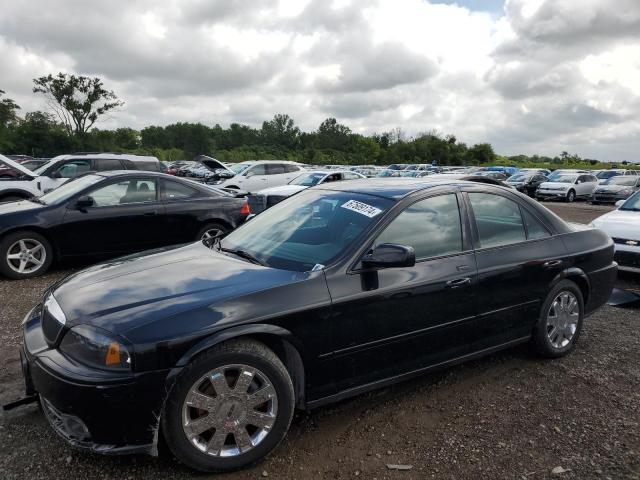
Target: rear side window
290, 168
498, 220
275, 169
108, 164
535, 230
148, 166
177, 191
430, 226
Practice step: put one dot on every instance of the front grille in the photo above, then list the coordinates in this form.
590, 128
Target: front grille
623, 241
51, 328
627, 259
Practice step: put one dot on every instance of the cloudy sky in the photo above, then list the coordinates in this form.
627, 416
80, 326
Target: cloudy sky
529, 76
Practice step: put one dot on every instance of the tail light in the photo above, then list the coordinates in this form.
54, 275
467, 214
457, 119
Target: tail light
245, 209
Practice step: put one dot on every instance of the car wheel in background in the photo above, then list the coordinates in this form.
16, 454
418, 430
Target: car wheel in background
211, 230
560, 322
24, 255
571, 196
229, 408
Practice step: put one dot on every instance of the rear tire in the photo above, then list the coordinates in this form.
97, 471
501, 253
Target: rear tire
560, 321
228, 409
24, 254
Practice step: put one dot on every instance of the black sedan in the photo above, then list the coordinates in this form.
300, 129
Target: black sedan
106, 214
338, 290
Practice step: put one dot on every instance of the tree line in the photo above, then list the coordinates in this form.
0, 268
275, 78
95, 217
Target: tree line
77, 103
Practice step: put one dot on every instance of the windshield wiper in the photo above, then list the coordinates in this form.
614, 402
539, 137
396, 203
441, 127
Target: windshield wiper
242, 254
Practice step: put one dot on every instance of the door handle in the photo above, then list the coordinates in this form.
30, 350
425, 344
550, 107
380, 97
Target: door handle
459, 282
552, 263
151, 214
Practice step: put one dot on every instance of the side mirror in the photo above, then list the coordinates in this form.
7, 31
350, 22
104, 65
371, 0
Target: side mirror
619, 203
249, 174
389, 255
84, 201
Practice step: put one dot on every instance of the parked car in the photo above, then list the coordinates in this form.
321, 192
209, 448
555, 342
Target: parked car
268, 197
59, 169
616, 188
212, 345
496, 175
564, 171
526, 182
106, 214
543, 171
253, 175
7, 172
388, 172
567, 187
623, 226
605, 175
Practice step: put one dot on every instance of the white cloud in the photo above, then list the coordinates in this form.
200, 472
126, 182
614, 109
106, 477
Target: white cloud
541, 77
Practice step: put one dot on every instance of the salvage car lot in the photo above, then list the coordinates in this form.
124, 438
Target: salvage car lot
507, 416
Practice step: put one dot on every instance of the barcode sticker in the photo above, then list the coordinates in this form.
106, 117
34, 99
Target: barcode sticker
362, 208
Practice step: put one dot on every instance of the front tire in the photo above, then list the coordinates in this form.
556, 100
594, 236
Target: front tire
229, 408
560, 321
571, 196
24, 254
211, 230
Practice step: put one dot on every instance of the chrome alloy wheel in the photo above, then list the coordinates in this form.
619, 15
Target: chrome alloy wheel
229, 411
26, 256
562, 319
212, 233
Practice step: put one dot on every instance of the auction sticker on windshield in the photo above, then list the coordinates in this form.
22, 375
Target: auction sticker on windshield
362, 208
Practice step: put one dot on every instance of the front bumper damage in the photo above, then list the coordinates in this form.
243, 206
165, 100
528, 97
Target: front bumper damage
103, 412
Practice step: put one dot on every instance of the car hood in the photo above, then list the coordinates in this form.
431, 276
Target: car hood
126, 293
8, 208
555, 185
612, 188
213, 164
283, 190
15, 165
620, 223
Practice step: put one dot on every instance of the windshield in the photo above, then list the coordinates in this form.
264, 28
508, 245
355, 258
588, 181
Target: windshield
387, 173
517, 178
632, 203
239, 167
563, 179
310, 229
307, 179
607, 174
42, 168
69, 189
621, 180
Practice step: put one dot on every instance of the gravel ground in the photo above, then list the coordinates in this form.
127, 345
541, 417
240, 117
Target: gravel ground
509, 415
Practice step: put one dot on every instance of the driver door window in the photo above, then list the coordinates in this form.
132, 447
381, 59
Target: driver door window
431, 226
74, 168
124, 193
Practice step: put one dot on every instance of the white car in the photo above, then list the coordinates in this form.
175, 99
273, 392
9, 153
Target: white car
254, 175
567, 187
270, 196
34, 183
623, 226
604, 175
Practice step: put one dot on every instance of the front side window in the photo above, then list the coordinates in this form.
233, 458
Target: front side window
431, 226
257, 170
74, 168
498, 220
125, 192
275, 169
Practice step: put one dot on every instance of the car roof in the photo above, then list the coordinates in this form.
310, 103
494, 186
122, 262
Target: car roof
395, 188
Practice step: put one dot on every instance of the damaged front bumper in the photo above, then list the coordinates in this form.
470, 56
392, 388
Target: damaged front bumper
105, 412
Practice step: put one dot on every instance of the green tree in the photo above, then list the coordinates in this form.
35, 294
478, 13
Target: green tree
281, 131
77, 101
482, 153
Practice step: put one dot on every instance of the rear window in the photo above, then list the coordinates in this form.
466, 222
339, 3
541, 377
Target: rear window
148, 165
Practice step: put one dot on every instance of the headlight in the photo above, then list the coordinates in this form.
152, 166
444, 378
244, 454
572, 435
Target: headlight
52, 306
96, 348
